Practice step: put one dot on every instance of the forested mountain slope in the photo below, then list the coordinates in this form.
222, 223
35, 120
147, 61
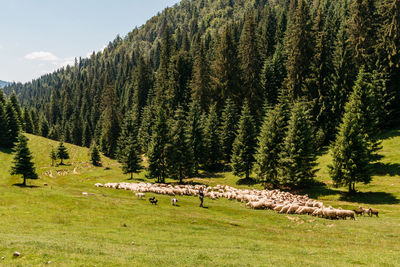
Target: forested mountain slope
206, 51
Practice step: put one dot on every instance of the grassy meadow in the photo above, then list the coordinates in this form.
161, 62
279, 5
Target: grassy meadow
56, 225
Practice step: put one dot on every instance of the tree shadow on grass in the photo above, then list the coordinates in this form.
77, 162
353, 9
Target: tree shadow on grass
247, 181
317, 189
389, 134
206, 175
6, 150
382, 169
26, 186
370, 197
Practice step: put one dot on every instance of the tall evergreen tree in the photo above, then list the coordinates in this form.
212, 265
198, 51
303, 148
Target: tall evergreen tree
244, 144
4, 130
194, 132
351, 150
211, 139
53, 156
128, 152
12, 123
44, 127
299, 49
225, 69
270, 146
157, 153
363, 25
22, 163
14, 102
27, 119
110, 122
228, 129
297, 160
180, 163
250, 65
200, 84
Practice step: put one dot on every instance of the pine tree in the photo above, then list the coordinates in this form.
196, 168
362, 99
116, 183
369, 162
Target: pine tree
128, 152
12, 123
270, 146
44, 127
162, 78
95, 157
62, 152
157, 153
4, 130
363, 25
250, 65
200, 84
299, 49
194, 132
297, 159
110, 122
180, 163
225, 69
14, 102
146, 126
27, 119
244, 144
211, 139
273, 75
22, 164
351, 150
228, 129
53, 156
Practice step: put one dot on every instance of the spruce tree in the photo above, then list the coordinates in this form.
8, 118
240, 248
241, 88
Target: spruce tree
225, 69
194, 132
351, 151
157, 152
110, 122
12, 123
299, 49
53, 156
146, 126
200, 84
250, 65
297, 160
180, 163
270, 145
244, 144
211, 139
44, 127
4, 130
228, 129
128, 152
27, 119
14, 102
22, 163
95, 157
62, 152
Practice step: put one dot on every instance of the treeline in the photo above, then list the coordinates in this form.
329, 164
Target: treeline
289, 65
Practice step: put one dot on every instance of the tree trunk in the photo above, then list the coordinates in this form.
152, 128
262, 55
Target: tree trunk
131, 176
349, 187
24, 184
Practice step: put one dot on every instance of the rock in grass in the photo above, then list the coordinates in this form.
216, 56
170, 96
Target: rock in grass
133, 243
16, 254
2, 258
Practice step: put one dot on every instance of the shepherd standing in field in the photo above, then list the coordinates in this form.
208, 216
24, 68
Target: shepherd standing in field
201, 196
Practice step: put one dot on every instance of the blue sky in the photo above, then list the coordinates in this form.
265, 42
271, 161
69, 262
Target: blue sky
39, 36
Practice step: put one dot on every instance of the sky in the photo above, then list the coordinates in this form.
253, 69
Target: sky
40, 36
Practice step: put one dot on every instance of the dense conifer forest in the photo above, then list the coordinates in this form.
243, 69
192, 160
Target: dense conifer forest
251, 85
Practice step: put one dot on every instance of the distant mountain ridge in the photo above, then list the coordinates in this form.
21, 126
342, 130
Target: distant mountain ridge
3, 84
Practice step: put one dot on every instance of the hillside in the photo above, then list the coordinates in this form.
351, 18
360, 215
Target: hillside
57, 223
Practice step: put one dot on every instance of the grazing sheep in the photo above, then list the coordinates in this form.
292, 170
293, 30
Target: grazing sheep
140, 195
358, 212
372, 212
174, 201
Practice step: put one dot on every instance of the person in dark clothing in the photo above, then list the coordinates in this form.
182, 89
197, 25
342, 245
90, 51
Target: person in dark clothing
201, 196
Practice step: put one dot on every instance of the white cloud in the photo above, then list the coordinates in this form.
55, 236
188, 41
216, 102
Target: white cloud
42, 56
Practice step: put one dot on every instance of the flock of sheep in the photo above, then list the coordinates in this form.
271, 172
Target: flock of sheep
279, 201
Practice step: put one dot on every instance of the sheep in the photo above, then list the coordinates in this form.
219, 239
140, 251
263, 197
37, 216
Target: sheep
345, 213
98, 185
372, 212
174, 201
140, 195
358, 212
293, 208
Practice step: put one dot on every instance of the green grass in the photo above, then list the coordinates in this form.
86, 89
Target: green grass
57, 223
